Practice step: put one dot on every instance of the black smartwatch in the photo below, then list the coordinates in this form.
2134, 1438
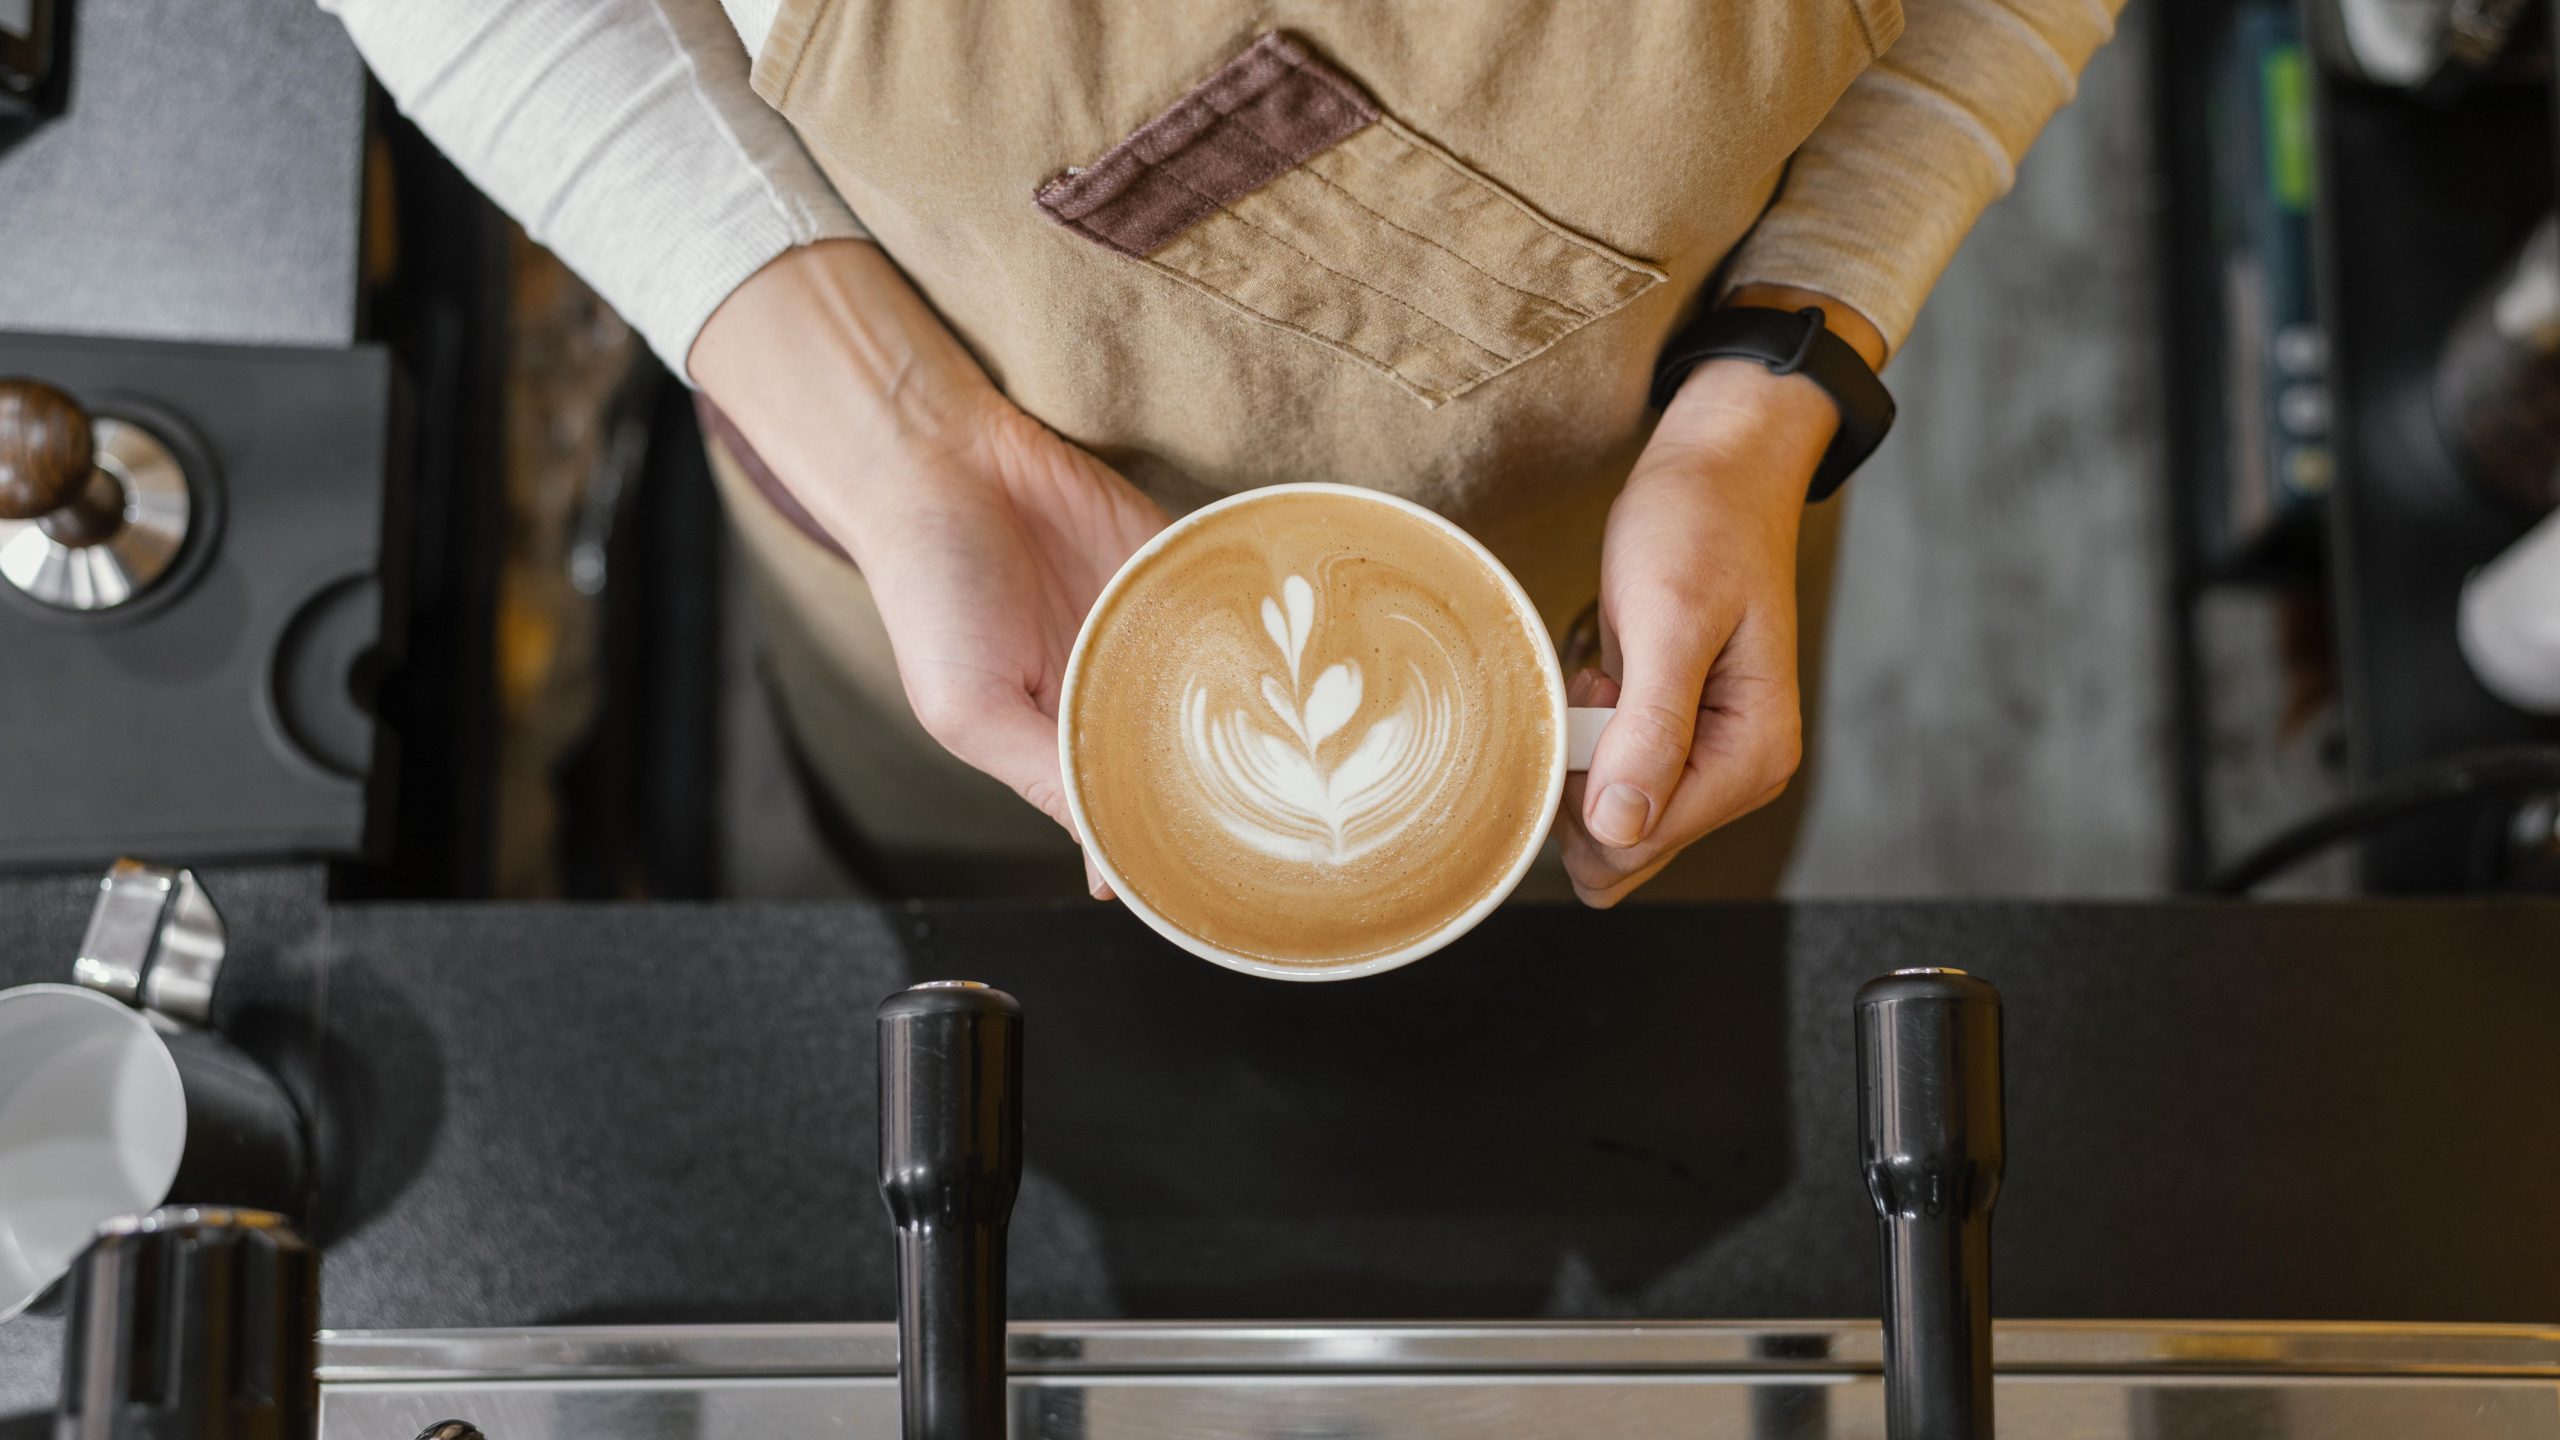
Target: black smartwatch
1789, 342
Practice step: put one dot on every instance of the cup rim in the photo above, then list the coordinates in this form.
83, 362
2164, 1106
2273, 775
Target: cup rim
1523, 608
10, 1306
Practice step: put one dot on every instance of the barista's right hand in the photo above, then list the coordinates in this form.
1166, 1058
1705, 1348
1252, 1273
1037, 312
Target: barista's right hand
984, 536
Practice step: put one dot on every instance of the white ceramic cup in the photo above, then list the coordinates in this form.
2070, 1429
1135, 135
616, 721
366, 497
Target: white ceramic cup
1576, 729
93, 1123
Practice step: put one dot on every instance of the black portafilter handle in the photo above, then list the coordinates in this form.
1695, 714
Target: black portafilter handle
1932, 1142
950, 1164
191, 1323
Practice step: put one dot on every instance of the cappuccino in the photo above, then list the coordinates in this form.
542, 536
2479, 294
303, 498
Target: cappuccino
1313, 727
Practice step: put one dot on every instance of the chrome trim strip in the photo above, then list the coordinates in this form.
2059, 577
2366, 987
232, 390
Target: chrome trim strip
367, 1357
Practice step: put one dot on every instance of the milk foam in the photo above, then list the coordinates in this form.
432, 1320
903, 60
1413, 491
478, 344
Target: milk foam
1310, 729
1275, 789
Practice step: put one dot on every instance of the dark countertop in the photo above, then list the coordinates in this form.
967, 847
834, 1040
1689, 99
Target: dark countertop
203, 184
556, 1114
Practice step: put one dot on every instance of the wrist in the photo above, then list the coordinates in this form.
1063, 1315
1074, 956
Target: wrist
1779, 379
1744, 417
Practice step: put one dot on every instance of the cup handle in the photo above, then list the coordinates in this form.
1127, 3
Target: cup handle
1582, 727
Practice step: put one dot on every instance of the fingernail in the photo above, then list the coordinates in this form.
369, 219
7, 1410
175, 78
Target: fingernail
1619, 818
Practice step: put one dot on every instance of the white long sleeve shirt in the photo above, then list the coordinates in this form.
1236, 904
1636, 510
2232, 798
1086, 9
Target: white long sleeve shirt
623, 134
620, 133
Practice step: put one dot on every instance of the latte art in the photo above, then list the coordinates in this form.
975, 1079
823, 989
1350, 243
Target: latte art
1311, 728
1289, 794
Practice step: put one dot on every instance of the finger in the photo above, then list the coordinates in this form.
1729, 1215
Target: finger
1014, 740
999, 730
1590, 687
1750, 732
1607, 896
1602, 875
1746, 747
1705, 801
1666, 646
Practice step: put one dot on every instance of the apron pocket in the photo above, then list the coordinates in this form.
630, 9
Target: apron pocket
1280, 188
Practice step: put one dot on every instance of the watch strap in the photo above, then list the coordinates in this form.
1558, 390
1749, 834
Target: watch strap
1790, 342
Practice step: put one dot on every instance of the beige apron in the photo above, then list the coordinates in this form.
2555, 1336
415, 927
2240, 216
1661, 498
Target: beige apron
1457, 293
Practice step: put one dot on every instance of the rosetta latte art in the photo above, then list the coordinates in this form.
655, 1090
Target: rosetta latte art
1265, 772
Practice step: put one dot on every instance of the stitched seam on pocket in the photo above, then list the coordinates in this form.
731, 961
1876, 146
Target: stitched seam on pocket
1408, 306
1337, 188
1572, 240
1431, 398
1489, 221
1476, 283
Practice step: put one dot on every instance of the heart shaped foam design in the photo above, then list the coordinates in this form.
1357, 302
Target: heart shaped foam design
1288, 794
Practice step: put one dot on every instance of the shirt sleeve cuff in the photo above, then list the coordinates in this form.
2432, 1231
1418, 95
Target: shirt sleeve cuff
1879, 197
692, 280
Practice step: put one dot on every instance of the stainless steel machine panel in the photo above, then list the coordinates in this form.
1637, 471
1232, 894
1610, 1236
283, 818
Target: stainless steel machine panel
1599, 1407
1424, 1382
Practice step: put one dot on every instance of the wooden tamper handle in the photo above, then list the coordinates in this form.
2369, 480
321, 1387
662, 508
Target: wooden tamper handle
49, 468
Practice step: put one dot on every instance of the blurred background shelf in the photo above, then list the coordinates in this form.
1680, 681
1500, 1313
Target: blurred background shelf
2423, 206
2398, 206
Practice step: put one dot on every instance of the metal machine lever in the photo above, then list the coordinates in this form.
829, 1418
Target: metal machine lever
192, 1324
1932, 1144
950, 1164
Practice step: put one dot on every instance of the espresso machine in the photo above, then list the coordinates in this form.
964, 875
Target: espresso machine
202, 585
171, 1310
186, 1300
192, 559
1933, 1153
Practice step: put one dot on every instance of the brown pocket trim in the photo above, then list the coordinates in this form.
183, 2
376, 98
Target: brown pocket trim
1260, 115
1280, 188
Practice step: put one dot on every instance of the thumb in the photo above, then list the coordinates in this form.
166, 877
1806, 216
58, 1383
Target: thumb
1664, 654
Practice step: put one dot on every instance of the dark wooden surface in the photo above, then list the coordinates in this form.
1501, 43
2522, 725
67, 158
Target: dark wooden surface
46, 449
552, 1114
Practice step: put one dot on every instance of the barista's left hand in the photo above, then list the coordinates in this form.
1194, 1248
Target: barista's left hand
1698, 616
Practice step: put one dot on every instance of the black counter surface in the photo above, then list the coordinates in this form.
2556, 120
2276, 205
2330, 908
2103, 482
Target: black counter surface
205, 181
540, 1115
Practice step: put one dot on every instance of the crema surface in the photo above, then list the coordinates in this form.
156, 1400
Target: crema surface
1312, 729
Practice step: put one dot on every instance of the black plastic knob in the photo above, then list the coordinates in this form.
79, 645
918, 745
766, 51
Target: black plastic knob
192, 1324
1932, 1143
950, 1165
